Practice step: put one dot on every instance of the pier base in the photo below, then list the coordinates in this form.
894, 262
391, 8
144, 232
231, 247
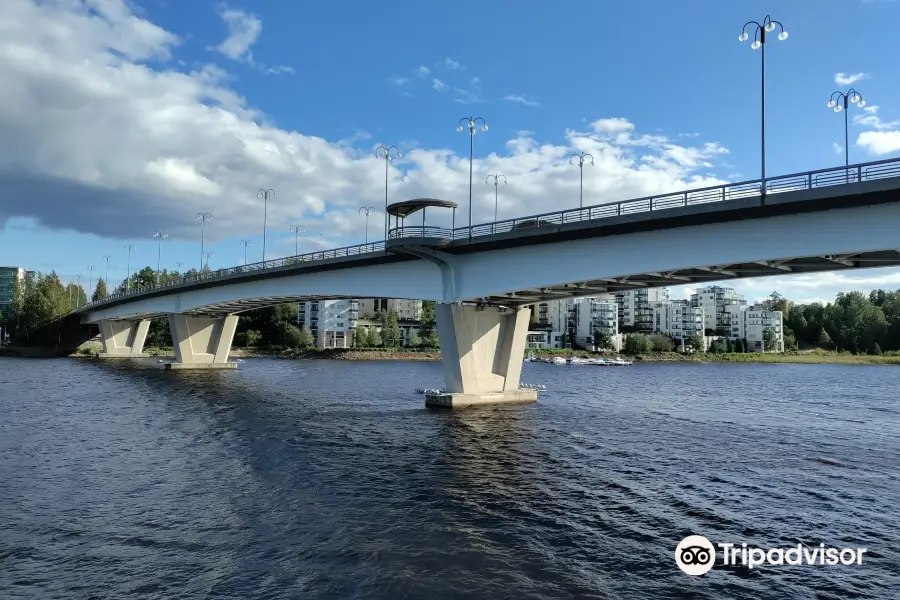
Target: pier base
175, 366
201, 342
466, 400
119, 355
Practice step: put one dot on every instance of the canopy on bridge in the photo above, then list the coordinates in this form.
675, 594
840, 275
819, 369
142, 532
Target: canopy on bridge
408, 207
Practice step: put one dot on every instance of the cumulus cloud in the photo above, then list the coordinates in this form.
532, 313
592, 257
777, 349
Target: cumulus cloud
421, 71
100, 141
849, 79
243, 31
836, 148
880, 142
439, 85
452, 65
522, 99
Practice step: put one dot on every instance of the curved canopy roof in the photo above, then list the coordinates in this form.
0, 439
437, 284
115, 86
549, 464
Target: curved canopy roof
408, 207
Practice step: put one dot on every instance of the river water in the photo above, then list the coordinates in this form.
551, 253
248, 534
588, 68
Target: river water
329, 479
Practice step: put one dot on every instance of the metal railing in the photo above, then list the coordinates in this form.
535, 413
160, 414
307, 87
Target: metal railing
420, 231
882, 169
870, 171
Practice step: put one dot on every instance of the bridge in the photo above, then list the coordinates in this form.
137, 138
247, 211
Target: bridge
484, 277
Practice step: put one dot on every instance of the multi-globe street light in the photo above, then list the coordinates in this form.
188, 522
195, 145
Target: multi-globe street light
246, 244
129, 248
388, 153
77, 290
759, 43
106, 275
582, 158
178, 264
265, 196
91, 269
207, 255
840, 101
159, 235
367, 210
471, 123
496, 177
204, 217
297, 230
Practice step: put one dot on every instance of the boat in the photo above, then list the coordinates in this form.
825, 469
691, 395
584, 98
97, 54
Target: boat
574, 360
530, 357
558, 360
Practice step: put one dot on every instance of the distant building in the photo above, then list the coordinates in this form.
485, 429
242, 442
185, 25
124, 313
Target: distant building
331, 322
755, 321
575, 321
721, 306
8, 278
406, 310
636, 308
678, 319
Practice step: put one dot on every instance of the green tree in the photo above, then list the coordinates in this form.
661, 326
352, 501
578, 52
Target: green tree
718, 346
246, 338
770, 342
876, 349
306, 339
637, 343
360, 338
290, 335
390, 333
737, 345
159, 335
413, 340
696, 343
824, 340
603, 341
373, 338
427, 326
99, 291
661, 343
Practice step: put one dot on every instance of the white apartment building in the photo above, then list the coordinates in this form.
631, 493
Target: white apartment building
332, 322
678, 319
636, 307
756, 320
578, 319
720, 305
406, 310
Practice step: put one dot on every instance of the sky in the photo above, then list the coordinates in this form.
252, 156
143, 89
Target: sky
118, 118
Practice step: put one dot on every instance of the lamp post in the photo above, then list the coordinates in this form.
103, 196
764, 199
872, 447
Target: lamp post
77, 290
265, 195
297, 230
368, 210
204, 217
246, 244
471, 122
106, 275
759, 43
582, 158
129, 248
496, 177
207, 255
840, 101
91, 269
159, 235
178, 264
386, 153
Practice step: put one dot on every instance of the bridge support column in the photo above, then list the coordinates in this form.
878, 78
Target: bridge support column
482, 351
123, 339
202, 342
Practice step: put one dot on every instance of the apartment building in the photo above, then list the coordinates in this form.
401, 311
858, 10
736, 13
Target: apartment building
8, 278
678, 319
332, 322
636, 308
406, 310
575, 319
720, 307
756, 319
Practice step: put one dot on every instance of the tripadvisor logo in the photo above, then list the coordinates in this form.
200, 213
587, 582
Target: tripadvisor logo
696, 555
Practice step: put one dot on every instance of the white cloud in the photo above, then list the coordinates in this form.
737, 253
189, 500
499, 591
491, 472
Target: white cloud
522, 99
85, 123
397, 81
879, 142
849, 79
439, 85
836, 148
872, 120
452, 65
470, 95
243, 31
421, 71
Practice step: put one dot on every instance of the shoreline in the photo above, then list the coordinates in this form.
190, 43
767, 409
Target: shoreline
380, 354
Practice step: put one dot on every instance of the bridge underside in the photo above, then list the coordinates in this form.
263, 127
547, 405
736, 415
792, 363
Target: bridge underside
699, 276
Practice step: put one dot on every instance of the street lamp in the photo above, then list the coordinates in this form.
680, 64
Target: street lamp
128, 247
386, 153
471, 122
367, 210
78, 290
297, 230
208, 255
841, 102
159, 235
106, 276
91, 270
496, 177
178, 264
202, 217
759, 43
246, 244
582, 158
265, 195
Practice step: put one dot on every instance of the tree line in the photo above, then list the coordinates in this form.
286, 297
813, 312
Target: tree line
855, 322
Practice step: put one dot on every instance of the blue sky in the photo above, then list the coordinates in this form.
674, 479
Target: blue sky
113, 134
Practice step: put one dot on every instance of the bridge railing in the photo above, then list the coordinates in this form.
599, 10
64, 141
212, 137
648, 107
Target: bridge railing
421, 231
346, 251
721, 193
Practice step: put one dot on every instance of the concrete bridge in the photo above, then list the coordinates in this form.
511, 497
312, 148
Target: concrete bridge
484, 277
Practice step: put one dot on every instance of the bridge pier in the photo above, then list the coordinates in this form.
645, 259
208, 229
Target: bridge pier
201, 342
482, 350
123, 339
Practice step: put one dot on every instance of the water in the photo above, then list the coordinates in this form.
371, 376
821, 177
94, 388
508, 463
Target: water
319, 479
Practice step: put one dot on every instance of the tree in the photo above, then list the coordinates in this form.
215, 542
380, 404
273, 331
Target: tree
737, 345
99, 291
246, 338
413, 340
159, 335
661, 343
824, 340
360, 338
373, 339
390, 333
770, 342
603, 341
718, 346
697, 343
289, 335
637, 343
876, 349
306, 339
427, 327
